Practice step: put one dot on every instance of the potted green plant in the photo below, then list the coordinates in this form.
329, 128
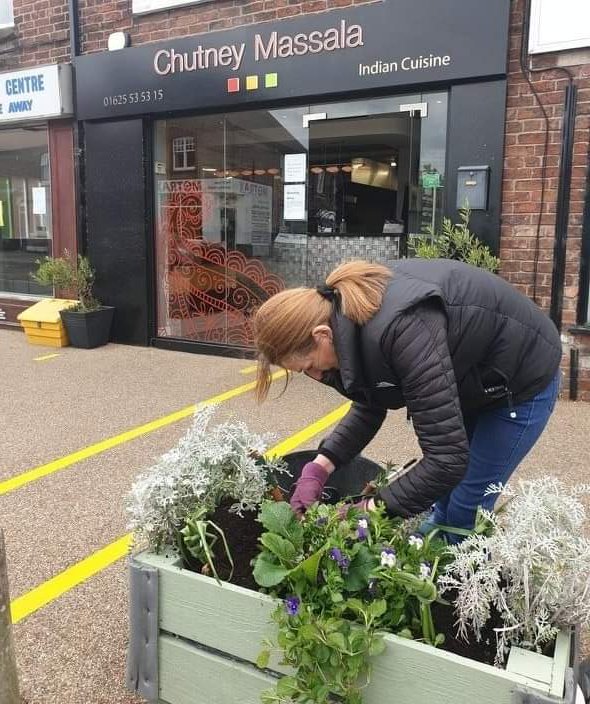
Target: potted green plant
88, 323
344, 602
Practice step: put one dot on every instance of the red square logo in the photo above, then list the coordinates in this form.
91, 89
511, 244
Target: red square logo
233, 85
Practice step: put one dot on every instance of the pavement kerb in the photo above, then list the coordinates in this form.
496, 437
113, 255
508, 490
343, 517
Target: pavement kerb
24, 478
65, 581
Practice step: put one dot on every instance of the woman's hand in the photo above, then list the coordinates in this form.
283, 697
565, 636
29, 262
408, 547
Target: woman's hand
310, 484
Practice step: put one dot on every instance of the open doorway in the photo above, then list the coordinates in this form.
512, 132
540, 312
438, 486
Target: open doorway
363, 176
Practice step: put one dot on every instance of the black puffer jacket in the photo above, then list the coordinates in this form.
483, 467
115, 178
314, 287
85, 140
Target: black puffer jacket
449, 340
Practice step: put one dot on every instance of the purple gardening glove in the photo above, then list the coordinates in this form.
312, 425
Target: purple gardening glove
309, 486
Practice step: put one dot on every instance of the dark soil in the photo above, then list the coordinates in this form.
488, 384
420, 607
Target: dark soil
483, 651
242, 535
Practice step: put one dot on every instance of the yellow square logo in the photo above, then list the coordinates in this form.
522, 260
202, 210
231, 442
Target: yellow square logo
251, 82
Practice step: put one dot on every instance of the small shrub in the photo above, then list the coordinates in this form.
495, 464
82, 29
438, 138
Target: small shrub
456, 242
73, 276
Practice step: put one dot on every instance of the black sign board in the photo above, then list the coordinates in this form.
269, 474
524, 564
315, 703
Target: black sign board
394, 43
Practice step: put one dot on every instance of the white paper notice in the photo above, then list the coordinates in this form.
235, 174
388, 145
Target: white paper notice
39, 201
295, 168
294, 202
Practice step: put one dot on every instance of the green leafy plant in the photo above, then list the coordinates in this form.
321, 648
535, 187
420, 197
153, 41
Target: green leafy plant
456, 242
75, 276
198, 539
344, 576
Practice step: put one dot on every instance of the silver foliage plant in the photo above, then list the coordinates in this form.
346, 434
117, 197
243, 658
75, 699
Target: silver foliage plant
534, 567
207, 465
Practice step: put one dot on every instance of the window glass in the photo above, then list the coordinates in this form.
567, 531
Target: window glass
6, 13
25, 208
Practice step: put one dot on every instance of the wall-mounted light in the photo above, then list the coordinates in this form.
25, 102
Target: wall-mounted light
117, 41
347, 168
316, 170
333, 169
259, 172
247, 172
273, 172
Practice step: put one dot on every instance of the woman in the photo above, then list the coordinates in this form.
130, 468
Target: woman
474, 361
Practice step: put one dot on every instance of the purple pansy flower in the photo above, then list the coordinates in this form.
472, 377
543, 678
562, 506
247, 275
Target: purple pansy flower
292, 604
362, 530
340, 559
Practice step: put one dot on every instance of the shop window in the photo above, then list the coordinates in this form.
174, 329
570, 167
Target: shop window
6, 15
25, 209
183, 154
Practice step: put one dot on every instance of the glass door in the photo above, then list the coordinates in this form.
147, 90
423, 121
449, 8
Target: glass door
364, 193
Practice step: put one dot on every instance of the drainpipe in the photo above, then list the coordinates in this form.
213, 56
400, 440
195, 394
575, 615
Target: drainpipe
574, 372
78, 131
563, 204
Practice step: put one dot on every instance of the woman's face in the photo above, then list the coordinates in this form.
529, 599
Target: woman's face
319, 359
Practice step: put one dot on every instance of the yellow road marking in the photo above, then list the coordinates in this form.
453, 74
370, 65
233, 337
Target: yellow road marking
65, 581
53, 588
47, 356
43, 470
249, 370
310, 431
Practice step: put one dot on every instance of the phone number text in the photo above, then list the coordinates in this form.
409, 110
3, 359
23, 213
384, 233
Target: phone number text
138, 96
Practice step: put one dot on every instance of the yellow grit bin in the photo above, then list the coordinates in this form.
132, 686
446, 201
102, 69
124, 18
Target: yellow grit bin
42, 322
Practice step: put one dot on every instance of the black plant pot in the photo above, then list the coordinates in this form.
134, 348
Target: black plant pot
88, 330
348, 480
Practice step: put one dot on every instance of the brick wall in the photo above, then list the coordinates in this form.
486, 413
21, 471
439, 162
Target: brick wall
522, 182
98, 20
41, 35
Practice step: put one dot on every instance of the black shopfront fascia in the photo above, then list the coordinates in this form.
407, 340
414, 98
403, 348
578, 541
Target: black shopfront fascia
393, 47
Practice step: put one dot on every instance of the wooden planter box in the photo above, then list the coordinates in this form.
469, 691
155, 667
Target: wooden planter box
194, 641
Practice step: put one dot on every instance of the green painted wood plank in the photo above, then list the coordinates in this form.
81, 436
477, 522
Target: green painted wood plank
189, 675
225, 617
235, 621
532, 665
418, 673
561, 660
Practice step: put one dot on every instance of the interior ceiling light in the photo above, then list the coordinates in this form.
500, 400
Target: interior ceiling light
259, 172
209, 169
316, 170
347, 168
333, 169
273, 172
393, 163
247, 172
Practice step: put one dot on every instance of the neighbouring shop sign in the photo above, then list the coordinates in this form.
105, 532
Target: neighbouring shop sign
390, 44
37, 93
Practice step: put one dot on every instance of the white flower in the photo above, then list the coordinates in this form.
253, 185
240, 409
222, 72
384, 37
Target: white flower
416, 541
363, 523
388, 557
425, 570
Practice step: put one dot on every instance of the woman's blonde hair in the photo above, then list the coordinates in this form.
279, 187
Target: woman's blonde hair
283, 324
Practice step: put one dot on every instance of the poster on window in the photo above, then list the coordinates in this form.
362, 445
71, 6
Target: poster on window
294, 202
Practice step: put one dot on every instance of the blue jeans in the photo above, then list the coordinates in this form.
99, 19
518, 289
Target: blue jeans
497, 444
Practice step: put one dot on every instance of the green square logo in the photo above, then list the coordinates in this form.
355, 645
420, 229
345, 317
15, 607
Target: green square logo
271, 80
